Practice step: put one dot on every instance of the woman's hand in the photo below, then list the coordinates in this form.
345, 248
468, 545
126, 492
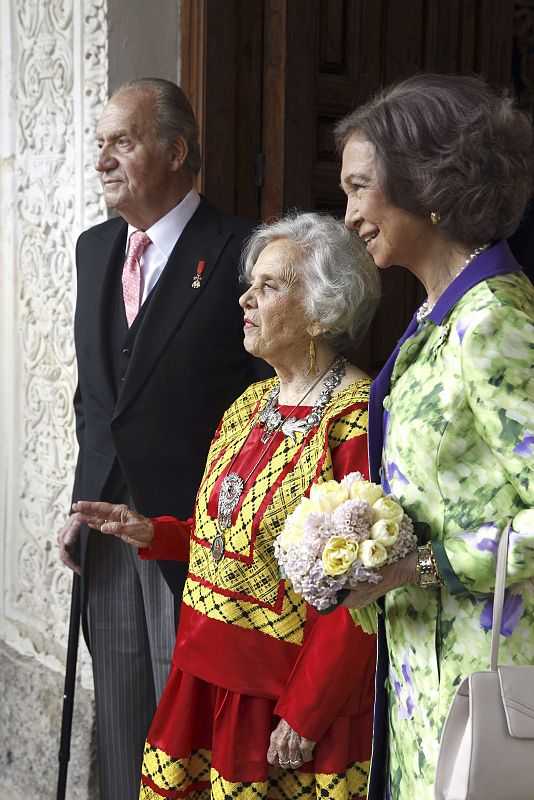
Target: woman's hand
394, 575
287, 748
118, 520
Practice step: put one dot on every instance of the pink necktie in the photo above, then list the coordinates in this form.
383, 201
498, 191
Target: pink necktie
131, 274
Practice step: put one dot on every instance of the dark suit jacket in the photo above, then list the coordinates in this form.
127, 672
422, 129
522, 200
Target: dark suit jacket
149, 399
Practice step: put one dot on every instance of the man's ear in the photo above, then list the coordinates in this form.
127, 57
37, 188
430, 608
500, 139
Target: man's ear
179, 151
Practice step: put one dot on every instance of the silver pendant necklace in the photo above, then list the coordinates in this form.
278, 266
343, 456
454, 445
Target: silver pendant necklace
270, 419
233, 485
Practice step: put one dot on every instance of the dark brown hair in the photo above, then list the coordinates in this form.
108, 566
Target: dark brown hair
450, 144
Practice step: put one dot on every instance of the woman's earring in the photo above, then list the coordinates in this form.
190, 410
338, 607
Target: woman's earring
435, 216
313, 358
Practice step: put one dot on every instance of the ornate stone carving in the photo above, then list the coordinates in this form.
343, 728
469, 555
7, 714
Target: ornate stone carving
61, 85
95, 93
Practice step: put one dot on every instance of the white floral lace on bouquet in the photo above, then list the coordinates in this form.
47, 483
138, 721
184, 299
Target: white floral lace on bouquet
340, 536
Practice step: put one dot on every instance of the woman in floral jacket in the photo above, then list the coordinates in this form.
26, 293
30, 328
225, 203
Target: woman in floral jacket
437, 172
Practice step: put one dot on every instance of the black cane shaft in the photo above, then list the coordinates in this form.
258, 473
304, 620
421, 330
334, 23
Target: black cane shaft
68, 692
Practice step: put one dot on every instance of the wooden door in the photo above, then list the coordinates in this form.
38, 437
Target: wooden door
269, 78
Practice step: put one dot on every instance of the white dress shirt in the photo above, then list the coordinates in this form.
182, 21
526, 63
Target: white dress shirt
163, 234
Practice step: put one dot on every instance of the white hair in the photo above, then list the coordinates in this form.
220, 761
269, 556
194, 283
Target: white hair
340, 280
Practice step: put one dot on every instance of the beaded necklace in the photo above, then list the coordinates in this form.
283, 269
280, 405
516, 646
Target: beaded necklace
424, 309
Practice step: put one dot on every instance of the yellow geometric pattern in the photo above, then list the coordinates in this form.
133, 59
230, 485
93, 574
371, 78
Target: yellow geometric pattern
288, 624
244, 588
293, 784
186, 778
174, 774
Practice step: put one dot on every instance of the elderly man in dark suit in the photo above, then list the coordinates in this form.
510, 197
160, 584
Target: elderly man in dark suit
158, 334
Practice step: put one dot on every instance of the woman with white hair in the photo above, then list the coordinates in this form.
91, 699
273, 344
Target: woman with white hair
266, 697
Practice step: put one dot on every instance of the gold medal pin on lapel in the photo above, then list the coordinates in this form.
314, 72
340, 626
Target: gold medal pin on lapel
198, 277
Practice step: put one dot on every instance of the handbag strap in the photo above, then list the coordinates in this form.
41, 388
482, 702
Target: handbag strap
498, 600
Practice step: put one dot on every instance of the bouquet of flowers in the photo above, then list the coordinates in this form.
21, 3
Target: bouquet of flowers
340, 536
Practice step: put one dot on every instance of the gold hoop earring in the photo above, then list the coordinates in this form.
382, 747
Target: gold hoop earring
313, 358
435, 216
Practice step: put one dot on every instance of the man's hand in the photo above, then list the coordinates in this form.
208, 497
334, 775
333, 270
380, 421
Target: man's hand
117, 520
67, 540
287, 748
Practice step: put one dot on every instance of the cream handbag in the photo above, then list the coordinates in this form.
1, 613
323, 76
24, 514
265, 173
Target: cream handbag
487, 744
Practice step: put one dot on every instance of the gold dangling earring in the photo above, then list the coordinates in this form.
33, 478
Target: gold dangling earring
313, 358
435, 216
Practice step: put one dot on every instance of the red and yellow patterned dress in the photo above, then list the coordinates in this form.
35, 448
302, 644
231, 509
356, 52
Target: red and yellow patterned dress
248, 649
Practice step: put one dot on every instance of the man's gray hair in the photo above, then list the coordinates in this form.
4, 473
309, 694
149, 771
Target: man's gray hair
340, 281
173, 116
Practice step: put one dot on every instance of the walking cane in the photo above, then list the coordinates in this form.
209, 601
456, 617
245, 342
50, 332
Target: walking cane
68, 693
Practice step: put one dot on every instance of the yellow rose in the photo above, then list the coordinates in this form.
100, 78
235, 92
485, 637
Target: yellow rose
372, 554
291, 534
339, 555
386, 508
524, 521
385, 532
363, 490
302, 510
328, 496
293, 531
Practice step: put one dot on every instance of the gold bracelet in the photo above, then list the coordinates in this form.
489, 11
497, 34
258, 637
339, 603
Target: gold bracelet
427, 569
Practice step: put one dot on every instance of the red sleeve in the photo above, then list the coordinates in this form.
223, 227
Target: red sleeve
334, 673
171, 540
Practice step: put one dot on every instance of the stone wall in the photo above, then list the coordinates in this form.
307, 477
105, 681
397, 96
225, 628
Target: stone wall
58, 60
29, 726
